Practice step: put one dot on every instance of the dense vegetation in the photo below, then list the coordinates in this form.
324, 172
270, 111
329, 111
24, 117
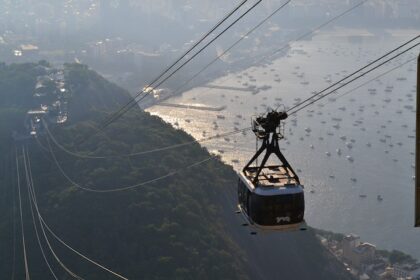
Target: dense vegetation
181, 227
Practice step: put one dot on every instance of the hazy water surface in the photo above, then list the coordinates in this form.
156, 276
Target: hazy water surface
374, 125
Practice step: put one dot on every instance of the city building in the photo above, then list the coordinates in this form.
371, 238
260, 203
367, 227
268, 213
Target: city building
357, 253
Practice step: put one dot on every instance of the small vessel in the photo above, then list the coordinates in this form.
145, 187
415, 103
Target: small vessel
362, 195
379, 198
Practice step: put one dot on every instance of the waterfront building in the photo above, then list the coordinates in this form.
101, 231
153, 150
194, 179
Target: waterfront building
356, 253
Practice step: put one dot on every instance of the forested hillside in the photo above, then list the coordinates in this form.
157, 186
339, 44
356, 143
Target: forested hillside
181, 227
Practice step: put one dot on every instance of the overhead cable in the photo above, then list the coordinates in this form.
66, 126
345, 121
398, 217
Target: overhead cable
298, 107
122, 112
312, 31
286, 45
358, 71
29, 183
89, 156
123, 188
42, 221
218, 24
376, 77
25, 257
14, 216
35, 203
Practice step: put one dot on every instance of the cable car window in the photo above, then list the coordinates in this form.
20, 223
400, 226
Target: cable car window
266, 210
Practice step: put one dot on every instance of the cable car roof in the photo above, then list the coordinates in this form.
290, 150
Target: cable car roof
272, 180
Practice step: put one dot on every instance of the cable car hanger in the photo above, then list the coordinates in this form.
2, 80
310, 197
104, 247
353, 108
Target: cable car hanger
271, 197
269, 129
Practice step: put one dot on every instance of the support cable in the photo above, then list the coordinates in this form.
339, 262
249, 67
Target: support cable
118, 115
29, 184
35, 203
285, 46
247, 128
311, 100
14, 218
87, 156
303, 36
218, 24
179, 89
125, 188
59, 261
358, 71
377, 77
25, 258
42, 221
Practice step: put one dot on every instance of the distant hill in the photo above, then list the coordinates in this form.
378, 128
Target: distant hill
181, 227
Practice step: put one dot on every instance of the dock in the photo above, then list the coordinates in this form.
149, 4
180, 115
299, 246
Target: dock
246, 89
194, 107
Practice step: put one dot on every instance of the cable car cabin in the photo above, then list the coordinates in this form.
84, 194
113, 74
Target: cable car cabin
270, 196
276, 202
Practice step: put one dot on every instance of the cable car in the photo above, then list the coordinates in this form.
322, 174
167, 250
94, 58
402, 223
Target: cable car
270, 197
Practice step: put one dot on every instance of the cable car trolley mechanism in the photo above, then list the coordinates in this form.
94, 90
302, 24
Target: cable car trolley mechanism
270, 196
